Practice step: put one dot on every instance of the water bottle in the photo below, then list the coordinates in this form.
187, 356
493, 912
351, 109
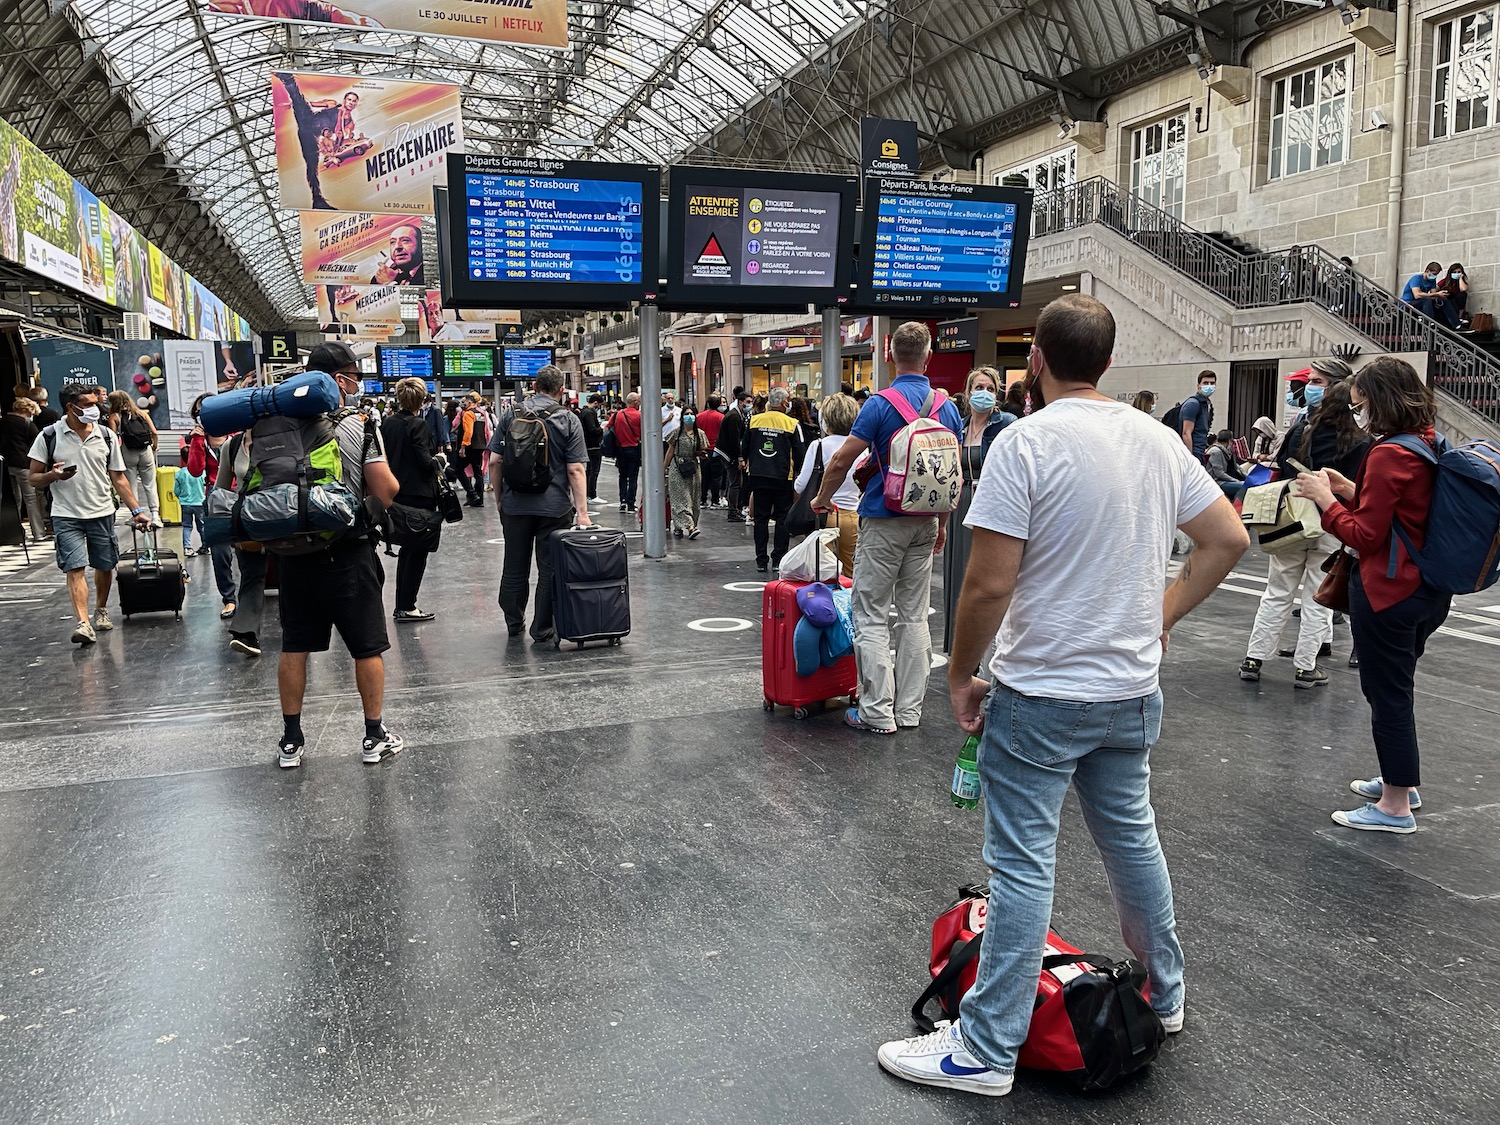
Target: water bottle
966, 775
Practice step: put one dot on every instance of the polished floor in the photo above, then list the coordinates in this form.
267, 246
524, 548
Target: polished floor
605, 886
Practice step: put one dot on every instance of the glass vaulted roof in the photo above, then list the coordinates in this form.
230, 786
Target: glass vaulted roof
644, 80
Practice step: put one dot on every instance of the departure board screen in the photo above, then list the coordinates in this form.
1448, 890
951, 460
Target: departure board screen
401, 363
524, 363
943, 245
748, 239
539, 233
465, 361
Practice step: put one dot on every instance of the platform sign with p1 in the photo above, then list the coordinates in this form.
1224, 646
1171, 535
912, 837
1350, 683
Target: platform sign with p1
942, 246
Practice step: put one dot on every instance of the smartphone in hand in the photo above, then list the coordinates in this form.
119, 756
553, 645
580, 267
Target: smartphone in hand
1298, 465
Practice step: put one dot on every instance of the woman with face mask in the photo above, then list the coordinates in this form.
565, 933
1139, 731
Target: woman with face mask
985, 420
1454, 286
685, 453
1393, 611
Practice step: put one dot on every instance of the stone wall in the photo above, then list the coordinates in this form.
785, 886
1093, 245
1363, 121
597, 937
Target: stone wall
1451, 186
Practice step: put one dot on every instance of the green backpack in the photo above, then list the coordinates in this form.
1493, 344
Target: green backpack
294, 500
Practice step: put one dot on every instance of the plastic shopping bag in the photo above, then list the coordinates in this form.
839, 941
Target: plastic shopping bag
812, 560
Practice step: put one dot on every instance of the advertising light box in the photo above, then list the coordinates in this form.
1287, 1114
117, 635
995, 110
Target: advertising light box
942, 245
468, 362
742, 239
401, 363
524, 363
533, 233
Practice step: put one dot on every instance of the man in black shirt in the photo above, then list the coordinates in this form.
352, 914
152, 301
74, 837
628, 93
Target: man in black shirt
593, 440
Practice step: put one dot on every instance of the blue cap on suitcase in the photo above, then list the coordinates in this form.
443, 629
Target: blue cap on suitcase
816, 603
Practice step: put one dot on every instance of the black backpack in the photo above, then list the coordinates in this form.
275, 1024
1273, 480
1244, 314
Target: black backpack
526, 455
135, 431
480, 434
1172, 419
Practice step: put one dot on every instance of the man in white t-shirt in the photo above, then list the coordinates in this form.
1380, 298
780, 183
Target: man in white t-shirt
1073, 522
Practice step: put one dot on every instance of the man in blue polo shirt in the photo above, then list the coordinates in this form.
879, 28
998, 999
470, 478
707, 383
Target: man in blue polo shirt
893, 560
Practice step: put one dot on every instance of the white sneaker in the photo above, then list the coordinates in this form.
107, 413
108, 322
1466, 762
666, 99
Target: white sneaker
1172, 1023
102, 621
941, 1059
156, 520
83, 634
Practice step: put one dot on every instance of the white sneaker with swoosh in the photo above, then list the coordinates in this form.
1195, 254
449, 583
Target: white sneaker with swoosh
941, 1059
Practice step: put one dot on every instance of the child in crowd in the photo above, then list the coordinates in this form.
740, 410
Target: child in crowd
189, 490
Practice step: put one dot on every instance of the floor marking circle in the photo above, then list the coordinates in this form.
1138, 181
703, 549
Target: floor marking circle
744, 587
939, 660
720, 625
495, 542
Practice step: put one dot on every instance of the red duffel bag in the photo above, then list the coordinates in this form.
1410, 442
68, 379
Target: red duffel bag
1092, 1021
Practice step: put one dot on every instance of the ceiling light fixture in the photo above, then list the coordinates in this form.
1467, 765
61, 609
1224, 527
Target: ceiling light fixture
1070, 288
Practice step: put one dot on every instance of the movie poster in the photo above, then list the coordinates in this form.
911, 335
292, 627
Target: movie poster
360, 248
359, 304
347, 143
437, 325
525, 23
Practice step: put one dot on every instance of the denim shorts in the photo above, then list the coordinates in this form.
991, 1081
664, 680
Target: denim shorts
81, 543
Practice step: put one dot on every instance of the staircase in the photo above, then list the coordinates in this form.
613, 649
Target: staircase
1464, 367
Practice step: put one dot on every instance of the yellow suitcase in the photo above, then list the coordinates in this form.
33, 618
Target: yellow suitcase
166, 494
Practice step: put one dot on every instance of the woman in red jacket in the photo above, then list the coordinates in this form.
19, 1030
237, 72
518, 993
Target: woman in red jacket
1392, 611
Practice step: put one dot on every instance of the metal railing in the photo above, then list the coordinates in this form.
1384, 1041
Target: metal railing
1300, 274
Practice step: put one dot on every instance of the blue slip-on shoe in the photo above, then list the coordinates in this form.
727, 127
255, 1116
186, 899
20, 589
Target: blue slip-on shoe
852, 719
1371, 791
1371, 819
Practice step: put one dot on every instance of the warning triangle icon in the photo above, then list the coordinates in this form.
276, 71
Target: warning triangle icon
713, 253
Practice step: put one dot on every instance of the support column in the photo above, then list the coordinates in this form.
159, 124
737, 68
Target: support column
879, 373
653, 490
833, 352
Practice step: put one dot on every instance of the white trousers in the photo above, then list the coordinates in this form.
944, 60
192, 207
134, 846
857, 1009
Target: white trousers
140, 471
893, 568
1288, 569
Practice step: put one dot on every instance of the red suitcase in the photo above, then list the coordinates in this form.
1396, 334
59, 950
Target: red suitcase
782, 686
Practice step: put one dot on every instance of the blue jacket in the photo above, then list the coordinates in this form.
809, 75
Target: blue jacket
437, 426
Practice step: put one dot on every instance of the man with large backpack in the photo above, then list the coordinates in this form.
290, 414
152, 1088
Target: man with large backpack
340, 586
898, 534
539, 473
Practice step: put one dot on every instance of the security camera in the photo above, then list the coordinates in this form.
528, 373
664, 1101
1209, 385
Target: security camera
1378, 120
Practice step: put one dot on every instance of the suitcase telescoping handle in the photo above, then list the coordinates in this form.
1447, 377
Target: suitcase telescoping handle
146, 560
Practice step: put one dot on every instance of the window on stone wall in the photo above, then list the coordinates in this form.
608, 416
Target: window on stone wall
1047, 173
1463, 74
1158, 164
1310, 119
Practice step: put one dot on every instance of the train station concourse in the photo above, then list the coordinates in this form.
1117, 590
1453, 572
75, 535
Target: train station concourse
504, 505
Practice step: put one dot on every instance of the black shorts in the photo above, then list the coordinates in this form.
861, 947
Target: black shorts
341, 589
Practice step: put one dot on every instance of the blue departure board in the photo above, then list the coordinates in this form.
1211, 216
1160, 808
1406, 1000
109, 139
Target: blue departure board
399, 363
937, 245
534, 232
524, 363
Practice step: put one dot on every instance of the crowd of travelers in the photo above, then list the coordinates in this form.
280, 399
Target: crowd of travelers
1054, 672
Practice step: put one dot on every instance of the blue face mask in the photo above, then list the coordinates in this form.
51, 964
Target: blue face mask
1291, 399
982, 400
1312, 395
1206, 390
689, 419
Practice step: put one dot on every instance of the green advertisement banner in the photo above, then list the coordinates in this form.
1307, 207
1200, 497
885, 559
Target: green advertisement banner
55, 227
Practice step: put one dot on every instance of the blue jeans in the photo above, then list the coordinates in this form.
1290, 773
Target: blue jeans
1031, 750
192, 516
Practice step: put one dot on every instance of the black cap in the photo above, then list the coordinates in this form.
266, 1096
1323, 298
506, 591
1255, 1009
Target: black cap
331, 356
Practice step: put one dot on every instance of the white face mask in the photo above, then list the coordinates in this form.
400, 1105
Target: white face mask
1362, 418
89, 415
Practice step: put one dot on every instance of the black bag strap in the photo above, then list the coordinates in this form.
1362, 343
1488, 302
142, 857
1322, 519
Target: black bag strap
946, 979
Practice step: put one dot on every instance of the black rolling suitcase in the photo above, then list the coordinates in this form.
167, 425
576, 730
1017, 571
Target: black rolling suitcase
590, 586
149, 580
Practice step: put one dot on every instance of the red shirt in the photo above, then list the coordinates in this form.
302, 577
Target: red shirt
627, 428
1393, 483
709, 422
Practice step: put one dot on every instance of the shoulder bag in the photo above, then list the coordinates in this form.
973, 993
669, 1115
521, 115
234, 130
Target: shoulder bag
1333, 591
802, 520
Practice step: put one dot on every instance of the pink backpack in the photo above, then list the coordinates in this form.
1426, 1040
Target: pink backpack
923, 474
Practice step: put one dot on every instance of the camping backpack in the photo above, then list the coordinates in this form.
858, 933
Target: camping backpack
526, 455
1462, 551
135, 431
923, 474
294, 500
1091, 1022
